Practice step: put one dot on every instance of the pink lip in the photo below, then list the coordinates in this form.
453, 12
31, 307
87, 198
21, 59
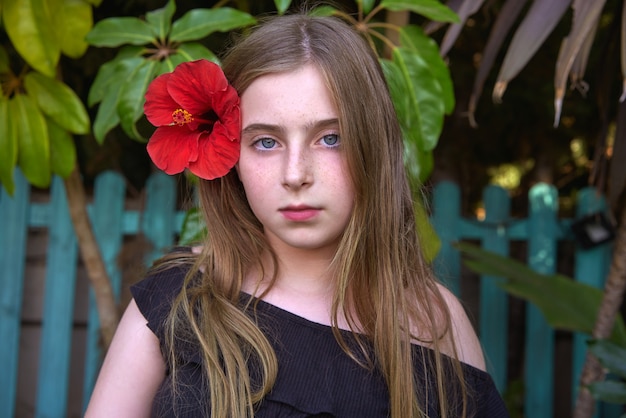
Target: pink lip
299, 213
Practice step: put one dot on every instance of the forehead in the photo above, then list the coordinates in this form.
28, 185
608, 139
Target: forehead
293, 97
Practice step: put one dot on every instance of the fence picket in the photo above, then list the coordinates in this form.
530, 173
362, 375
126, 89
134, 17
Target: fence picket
494, 308
58, 308
447, 223
14, 211
107, 215
539, 350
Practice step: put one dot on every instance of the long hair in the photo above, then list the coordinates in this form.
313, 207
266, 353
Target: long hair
384, 288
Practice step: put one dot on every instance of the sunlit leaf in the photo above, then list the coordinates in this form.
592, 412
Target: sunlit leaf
8, 145
282, 5
62, 150
465, 10
116, 31
413, 37
58, 102
505, 20
160, 20
565, 303
107, 74
538, 23
194, 229
586, 15
199, 23
430, 243
33, 144
107, 117
132, 97
432, 9
31, 30
74, 23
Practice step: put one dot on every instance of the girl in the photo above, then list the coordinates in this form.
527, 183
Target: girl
310, 296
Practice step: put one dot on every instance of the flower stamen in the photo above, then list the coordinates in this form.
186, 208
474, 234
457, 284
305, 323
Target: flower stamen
181, 117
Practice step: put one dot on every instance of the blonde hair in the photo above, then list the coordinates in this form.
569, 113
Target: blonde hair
384, 288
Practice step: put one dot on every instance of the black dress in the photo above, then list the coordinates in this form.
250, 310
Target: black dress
315, 378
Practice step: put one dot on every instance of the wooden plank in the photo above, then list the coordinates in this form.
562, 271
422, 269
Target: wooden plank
446, 220
494, 307
539, 350
58, 310
14, 214
107, 218
158, 223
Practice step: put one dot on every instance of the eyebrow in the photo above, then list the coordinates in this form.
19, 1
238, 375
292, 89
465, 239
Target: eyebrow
265, 127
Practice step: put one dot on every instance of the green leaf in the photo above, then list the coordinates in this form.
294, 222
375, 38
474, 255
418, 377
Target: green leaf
75, 22
116, 31
4, 61
160, 20
33, 155
8, 145
107, 117
565, 303
282, 5
417, 96
367, 5
132, 97
414, 38
194, 51
430, 243
194, 229
30, 27
62, 150
323, 11
198, 23
107, 74
432, 9
58, 102
610, 391
611, 356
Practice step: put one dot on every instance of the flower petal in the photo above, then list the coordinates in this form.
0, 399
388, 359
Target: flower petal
159, 104
172, 148
218, 154
192, 85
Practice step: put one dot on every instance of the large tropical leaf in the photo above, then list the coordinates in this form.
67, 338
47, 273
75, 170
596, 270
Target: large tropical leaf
62, 150
131, 99
432, 9
74, 23
465, 10
565, 303
538, 23
108, 74
586, 15
8, 145
282, 5
504, 22
33, 154
28, 24
160, 20
116, 31
58, 102
199, 23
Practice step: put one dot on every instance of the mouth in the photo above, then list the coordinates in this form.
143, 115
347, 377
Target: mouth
299, 213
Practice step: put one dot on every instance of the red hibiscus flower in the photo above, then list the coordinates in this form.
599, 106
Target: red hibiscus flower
196, 113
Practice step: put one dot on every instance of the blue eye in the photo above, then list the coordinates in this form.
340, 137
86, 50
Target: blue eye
330, 140
266, 143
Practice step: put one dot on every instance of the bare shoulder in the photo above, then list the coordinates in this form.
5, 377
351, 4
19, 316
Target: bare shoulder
465, 339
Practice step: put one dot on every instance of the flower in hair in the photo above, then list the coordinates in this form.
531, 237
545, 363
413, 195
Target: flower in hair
196, 112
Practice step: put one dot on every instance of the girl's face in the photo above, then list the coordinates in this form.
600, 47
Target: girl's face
292, 163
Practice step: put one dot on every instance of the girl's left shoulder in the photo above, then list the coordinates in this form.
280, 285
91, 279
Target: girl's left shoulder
462, 334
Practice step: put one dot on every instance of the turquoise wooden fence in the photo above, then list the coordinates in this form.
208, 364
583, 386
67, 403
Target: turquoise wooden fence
159, 221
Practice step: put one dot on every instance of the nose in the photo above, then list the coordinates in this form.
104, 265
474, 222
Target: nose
298, 170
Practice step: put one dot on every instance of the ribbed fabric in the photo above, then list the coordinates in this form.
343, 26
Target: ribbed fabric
315, 378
